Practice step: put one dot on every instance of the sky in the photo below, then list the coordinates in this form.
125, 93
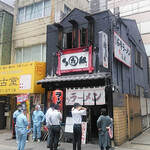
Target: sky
9, 2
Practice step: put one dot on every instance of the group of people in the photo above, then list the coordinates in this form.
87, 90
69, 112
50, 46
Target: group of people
53, 118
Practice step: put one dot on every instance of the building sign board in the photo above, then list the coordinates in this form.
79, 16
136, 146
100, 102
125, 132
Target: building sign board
75, 60
21, 78
121, 50
103, 49
86, 96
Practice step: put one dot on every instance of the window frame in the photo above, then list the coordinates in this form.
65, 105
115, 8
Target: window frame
32, 15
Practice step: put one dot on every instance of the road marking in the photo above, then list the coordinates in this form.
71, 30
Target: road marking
7, 147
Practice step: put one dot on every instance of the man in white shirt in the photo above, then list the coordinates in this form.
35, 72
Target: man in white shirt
54, 119
48, 112
77, 112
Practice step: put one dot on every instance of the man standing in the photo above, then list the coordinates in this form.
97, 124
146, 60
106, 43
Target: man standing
37, 118
77, 112
21, 125
15, 114
55, 118
48, 123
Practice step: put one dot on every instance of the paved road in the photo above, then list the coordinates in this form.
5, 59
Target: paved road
142, 142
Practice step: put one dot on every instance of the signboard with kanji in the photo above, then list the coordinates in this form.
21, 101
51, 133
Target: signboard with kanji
75, 60
121, 50
21, 78
86, 96
103, 49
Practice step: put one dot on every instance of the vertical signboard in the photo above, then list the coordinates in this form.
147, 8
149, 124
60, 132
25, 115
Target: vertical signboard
103, 49
121, 50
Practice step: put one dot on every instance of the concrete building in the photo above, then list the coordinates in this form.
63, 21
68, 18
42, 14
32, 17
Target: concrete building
31, 18
6, 23
138, 10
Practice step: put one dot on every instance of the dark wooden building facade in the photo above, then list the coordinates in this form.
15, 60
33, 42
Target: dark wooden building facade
95, 60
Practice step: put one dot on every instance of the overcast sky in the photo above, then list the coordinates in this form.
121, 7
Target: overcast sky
9, 2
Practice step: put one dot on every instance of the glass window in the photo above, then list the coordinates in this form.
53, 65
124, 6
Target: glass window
21, 15
44, 53
47, 8
147, 48
28, 13
144, 6
36, 53
66, 10
126, 10
37, 10
137, 90
27, 54
145, 27
18, 55
135, 8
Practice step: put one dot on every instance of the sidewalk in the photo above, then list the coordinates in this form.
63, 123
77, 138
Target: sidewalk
142, 142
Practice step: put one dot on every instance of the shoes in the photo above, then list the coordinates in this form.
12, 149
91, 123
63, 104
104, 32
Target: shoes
33, 140
27, 141
17, 141
48, 147
39, 140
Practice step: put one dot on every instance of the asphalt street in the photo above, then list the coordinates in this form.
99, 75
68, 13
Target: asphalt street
141, 142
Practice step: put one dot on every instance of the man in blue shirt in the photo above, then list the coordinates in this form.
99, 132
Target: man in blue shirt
15, 114
21, 125
37, 118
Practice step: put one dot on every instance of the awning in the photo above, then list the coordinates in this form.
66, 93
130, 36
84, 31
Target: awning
94, 76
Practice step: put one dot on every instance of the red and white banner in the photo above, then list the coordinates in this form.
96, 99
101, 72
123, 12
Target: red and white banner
22, 98
86, 96
84, 131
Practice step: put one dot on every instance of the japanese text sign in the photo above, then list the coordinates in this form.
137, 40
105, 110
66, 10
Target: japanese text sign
121, 50
103, 49
84, 131
86, 96
21, 78
75, 60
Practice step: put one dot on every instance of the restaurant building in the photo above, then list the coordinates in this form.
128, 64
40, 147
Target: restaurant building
99, 61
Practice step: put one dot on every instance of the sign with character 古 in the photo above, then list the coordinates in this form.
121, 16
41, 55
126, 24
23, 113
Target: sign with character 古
86, 96
121, 50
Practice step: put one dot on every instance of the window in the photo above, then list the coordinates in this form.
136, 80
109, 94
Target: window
34, 11
145, 27
83, 37
21, 15
34, 53
137, 92
141, 92
138, 59
147, 48
69, 40
141, 6
66, 10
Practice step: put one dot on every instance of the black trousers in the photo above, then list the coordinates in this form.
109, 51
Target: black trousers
54, 139
77, 131
49, 135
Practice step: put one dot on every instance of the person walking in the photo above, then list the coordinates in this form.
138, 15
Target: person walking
15, 114
77, 112
37, 118
21, 126
48, 112
54, 119
103, 125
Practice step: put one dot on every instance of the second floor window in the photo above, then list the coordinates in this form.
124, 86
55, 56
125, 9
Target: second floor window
34, 11
138, 59
34, 53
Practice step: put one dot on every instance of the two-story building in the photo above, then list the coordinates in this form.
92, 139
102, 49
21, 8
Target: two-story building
99, 61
